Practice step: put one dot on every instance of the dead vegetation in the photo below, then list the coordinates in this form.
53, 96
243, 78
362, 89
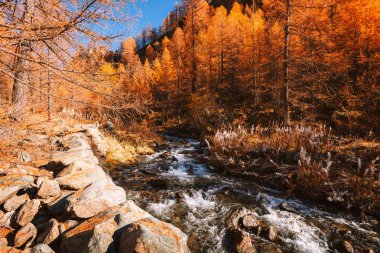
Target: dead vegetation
307, 162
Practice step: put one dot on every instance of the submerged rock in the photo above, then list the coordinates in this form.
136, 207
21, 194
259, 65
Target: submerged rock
287, 207
270, 233
240, 242
234, 219
345, 247
94, 199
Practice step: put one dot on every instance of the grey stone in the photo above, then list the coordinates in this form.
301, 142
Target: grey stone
95, 198
80, 174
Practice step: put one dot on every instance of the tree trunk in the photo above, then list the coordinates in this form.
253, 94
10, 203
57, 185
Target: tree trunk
193, 63
286, 65
21, 80
20, 88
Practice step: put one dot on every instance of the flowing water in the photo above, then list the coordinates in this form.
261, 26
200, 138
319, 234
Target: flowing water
176, 185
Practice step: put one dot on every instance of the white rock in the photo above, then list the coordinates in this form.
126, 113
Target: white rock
95, 198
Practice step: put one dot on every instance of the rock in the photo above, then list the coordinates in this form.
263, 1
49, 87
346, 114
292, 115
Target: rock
4, 231
234, 219
76, 141
180, 195
369, 250
80, 174
57, 207
15, 202
3, 243
174, 159
345, 247
5, 221
10, 250
50, 233
26, 234
152, 235
250, 222
97, 233
240, 242
10, 185
158, 183
26, 170
270, 248
109, 126
287, 207
27, 212
37, 139
24, 156
48, 188
226, 190
95, 198
62, 159
41, 248
63, 227
270, 233
98, 141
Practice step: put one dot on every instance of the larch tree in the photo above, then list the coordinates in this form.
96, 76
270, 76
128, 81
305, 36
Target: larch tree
197, 14
31, 27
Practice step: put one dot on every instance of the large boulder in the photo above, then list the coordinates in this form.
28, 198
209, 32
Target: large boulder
26, 234
27, 212
80, 174
151, 235
240, 242
94, 199
11, 184
97, 234
62, 159
15, 202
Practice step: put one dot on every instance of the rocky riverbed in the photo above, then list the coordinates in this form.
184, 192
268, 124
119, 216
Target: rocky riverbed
224, 214
70, 204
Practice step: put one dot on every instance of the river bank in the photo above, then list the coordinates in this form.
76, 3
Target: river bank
56, 197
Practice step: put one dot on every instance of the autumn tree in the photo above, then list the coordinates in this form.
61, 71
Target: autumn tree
31, 27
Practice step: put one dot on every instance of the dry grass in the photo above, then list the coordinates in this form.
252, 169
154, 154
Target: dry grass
307, 161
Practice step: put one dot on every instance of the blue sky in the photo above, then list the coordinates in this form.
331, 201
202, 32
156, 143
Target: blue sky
152, 12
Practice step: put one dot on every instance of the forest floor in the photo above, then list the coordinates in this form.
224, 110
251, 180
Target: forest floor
18, 139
